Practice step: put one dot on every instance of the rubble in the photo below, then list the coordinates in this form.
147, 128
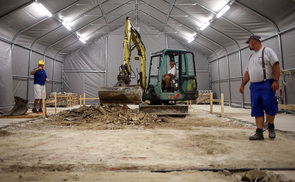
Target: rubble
108, 116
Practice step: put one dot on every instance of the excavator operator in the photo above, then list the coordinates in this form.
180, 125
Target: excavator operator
166, 77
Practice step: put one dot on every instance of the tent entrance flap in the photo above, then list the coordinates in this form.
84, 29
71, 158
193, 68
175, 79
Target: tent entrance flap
121, 95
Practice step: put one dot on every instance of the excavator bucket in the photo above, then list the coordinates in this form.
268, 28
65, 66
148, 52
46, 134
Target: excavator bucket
20, 107
121, 95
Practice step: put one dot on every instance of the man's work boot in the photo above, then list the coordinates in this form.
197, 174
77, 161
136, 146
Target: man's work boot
40, 110
271, 131
258, 135
34, 110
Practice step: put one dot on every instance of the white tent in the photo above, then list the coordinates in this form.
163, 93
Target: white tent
27, 35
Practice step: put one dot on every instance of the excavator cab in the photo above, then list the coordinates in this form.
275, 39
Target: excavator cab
182, 85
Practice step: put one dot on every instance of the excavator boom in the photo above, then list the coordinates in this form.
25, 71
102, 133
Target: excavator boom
122, 92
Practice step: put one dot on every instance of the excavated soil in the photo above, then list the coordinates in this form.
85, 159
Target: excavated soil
116, 143
109, 116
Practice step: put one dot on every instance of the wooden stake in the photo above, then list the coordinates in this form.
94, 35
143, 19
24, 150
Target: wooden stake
84, 99
80, 100
43, 103
55, 103
189, 102
222, 105
211, 102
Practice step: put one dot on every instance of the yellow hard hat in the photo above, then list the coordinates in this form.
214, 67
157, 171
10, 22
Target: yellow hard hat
41, 62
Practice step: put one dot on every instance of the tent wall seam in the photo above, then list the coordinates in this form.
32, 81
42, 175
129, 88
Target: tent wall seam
61, 24
21, 31
16, 44
18, 8
180, 40
245, 47
28, 78
231, 22
185, 26
169, 13
72, 32
195, 19
240, 57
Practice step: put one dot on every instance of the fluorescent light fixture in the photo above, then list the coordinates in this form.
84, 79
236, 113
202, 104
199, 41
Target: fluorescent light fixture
205, 26
192, 38
82, 40
224, 10
67, 25
42, 9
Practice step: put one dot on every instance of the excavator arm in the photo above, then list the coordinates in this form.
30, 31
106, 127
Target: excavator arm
141, 52
132, 35
123, 92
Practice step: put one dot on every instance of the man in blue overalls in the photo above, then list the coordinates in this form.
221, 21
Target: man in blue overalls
39, 85
263, 71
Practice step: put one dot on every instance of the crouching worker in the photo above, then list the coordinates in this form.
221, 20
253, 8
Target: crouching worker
166, 77
40, 78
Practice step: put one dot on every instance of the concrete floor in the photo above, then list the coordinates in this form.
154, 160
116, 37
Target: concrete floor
39, 154
283, 121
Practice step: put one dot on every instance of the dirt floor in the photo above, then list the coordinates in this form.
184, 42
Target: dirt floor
113, 143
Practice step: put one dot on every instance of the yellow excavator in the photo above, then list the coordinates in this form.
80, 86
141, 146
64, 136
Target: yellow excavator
122, 92
160, 98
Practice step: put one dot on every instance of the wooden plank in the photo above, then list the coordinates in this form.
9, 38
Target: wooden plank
55, 102
189, 103
287, 107
67, 99
211, 102
23, 116
222, 105
44, 105
203, 100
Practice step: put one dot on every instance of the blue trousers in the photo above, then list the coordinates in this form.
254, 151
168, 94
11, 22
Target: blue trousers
263, 99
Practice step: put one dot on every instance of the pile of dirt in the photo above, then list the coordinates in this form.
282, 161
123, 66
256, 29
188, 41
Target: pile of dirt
259, 175
108, 116
115, 116
4, 133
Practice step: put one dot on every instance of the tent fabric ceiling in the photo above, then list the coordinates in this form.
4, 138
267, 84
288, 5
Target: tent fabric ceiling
22, 24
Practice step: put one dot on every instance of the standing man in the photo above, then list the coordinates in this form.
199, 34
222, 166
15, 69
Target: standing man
263, 71
171, 72
39, 85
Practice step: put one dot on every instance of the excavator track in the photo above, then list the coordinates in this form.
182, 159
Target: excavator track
165, 110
